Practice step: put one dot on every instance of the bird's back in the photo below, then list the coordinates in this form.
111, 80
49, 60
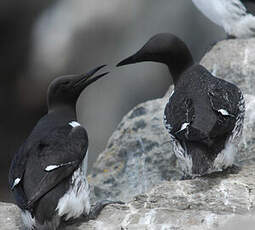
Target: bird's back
195, 113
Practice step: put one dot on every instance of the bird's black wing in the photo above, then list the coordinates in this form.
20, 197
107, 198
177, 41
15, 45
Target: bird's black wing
16, 173
51, 160
249, 5
178, 112
228, 103
203, 122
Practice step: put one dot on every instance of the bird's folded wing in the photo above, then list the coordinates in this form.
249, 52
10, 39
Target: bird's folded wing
228, 103
210, 121
179, 114
52, 159
16, 172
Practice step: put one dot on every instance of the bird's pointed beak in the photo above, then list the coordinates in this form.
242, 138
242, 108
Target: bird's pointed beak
88, 78
130, 60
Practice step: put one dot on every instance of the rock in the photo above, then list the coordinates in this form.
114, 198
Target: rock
9, 217
139, 166
203, 203
234, 61
199, 204
139, 156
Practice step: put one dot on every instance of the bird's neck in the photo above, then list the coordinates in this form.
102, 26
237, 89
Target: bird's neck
68, 111
179, 66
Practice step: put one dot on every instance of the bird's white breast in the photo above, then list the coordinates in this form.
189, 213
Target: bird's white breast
76, 200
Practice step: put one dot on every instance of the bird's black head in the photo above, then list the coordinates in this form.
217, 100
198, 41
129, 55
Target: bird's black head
164, 48
65, 90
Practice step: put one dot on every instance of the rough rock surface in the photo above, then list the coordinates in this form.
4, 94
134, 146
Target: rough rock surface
9, 217
199, 204
203, 203
139, 155
138, 166
234, 61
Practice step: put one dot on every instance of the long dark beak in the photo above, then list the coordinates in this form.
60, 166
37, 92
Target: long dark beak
130, 60
87, 78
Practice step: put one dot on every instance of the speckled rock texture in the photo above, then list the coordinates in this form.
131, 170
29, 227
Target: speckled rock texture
234, 61
212, 202
9, 217
139, 167
139, 157
203, 203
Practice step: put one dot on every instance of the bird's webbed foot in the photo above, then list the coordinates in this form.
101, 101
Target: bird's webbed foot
98, 207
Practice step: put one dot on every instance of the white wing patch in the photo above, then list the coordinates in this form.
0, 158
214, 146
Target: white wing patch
227, 156
184, 126
74, 124
16, 182
53, 167
224, 112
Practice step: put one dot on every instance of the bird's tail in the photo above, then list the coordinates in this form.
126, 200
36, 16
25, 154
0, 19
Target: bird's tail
201, 162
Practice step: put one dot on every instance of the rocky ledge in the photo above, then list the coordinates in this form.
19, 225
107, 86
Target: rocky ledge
139, 167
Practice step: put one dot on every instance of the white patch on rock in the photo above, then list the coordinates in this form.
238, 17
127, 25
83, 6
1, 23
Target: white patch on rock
76, 199
74, 124
148, 218
128, 218
214, 71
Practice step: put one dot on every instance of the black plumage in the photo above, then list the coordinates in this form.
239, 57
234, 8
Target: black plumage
249, 5
52, 161
204, 115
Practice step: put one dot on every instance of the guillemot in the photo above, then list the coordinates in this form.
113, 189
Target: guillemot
232, 15
204, 115
48, 173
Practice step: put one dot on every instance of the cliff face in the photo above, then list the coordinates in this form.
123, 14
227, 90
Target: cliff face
138, 166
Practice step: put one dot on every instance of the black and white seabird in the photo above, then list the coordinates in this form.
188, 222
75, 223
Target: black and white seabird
48, 173
237, 20
204, 115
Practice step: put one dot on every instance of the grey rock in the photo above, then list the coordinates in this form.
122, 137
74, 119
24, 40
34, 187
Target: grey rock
203, 203
139, 166
234, 61
200, 204
139, 156
9, 217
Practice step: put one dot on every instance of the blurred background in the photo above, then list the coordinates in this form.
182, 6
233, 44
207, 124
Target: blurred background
41, 40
